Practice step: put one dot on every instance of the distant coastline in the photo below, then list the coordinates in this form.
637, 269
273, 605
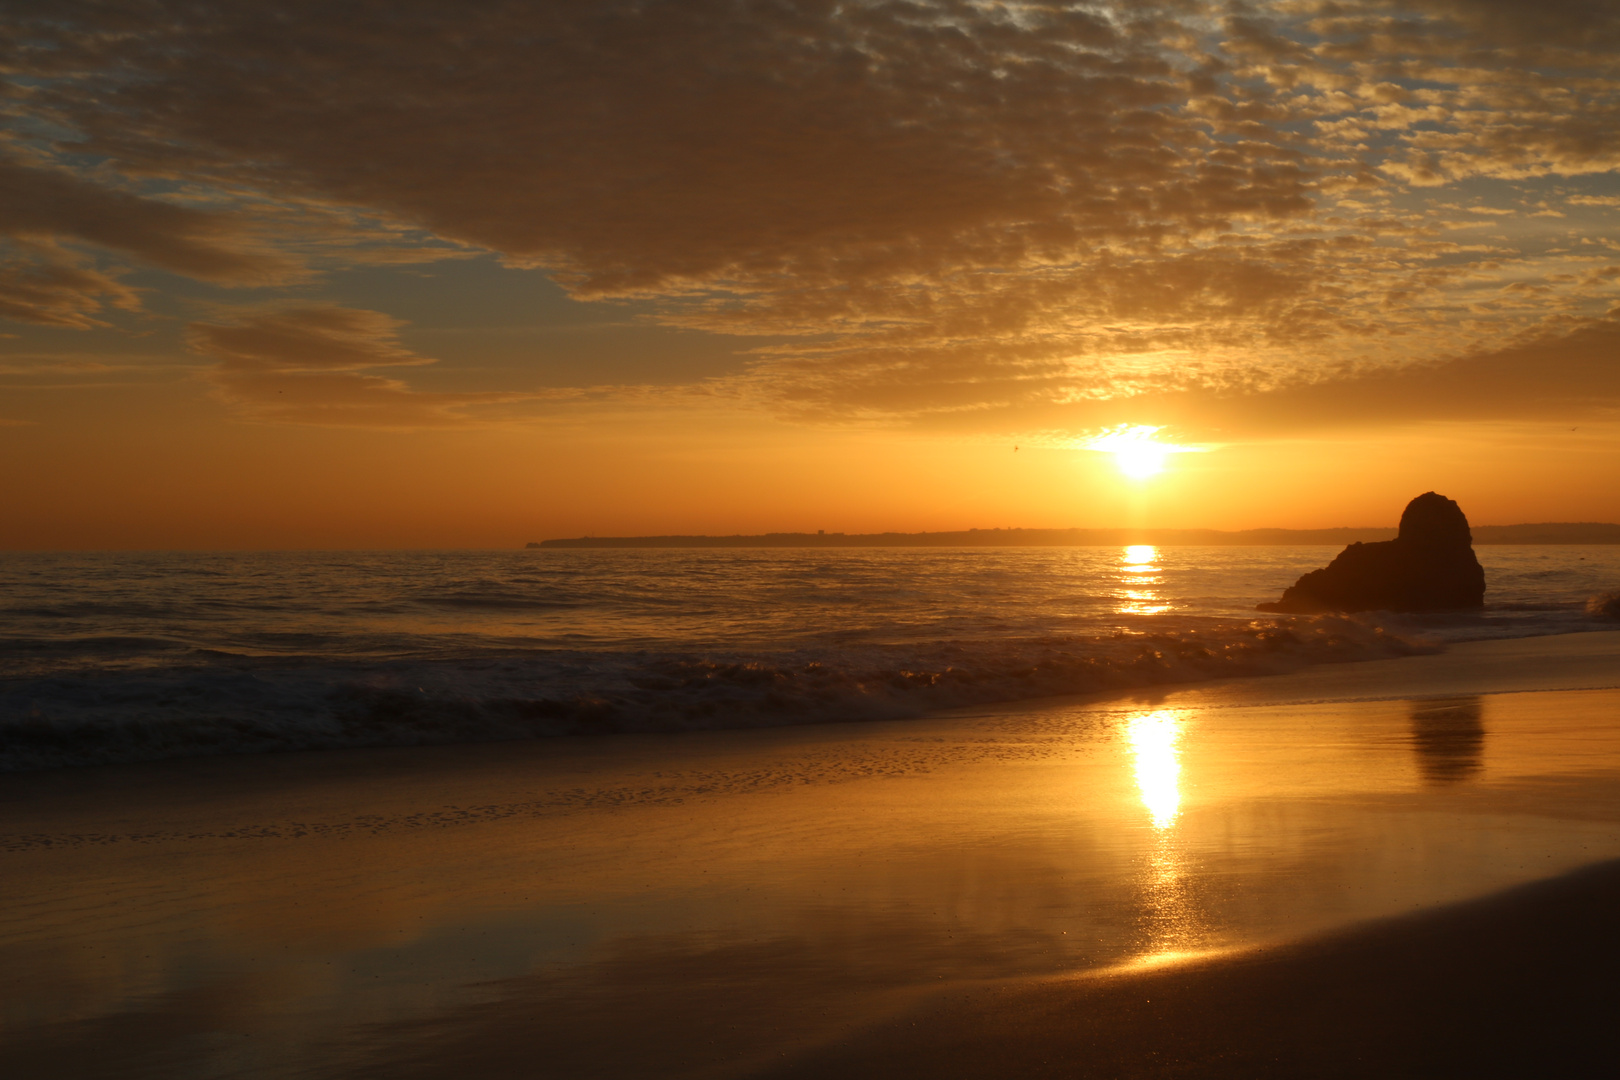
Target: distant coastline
1582, 532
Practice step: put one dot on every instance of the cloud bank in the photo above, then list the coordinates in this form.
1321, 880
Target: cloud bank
315, 365
960, 214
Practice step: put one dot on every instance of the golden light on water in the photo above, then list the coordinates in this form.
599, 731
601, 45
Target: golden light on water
1140, 555
1154, 739
1142, 602
1139, 565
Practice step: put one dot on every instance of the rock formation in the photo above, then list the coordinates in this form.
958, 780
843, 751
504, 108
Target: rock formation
1429, 566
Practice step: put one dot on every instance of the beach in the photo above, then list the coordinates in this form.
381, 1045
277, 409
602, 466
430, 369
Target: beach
730, 903
783, 538
789, 538
1518, 984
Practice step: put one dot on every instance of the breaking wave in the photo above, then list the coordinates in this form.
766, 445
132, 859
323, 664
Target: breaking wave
1604, 606
220, 703
115, 657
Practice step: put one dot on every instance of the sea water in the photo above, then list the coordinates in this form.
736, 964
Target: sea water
109, 657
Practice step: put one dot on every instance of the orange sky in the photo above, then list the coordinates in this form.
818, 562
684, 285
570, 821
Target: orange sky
429, 277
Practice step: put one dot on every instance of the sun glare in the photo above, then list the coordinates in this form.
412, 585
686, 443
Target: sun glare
1136, 452
1141, 461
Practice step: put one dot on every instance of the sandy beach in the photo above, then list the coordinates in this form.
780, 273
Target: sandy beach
1277, 874
1518, 984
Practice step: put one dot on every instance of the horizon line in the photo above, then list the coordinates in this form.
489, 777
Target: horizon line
1563, 532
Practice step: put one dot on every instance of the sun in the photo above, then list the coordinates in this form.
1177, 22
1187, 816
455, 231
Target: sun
1142, 460
1136, 452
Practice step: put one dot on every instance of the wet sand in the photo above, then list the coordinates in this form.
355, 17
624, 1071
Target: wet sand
1520, 984
733, 903
1517, 984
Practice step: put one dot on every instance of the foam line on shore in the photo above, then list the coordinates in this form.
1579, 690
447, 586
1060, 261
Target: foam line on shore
1587, 661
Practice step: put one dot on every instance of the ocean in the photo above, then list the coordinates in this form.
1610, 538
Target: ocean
114, 657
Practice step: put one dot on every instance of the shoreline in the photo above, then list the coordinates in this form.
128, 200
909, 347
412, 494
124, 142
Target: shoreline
1587, 659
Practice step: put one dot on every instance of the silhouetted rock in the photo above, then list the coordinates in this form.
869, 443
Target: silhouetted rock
1429, 566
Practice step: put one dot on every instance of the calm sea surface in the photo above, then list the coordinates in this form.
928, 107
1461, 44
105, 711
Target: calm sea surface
116, 656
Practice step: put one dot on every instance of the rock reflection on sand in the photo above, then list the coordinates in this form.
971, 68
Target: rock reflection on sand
1448, 735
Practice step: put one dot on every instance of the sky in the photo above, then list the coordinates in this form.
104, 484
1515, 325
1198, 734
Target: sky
412, 274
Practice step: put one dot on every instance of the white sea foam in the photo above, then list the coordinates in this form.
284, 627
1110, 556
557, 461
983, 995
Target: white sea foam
131, 657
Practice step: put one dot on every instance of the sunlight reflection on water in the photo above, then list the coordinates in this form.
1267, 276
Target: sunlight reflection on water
1139, 571
1140, 554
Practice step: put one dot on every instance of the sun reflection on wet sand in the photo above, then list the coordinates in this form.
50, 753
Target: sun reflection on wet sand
1173, 925
1153, 738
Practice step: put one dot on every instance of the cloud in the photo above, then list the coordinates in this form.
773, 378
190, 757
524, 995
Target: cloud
314, 365
43, 284
1558, 376
634, 146
951, 208
48, 215
1554, 376
53, 203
